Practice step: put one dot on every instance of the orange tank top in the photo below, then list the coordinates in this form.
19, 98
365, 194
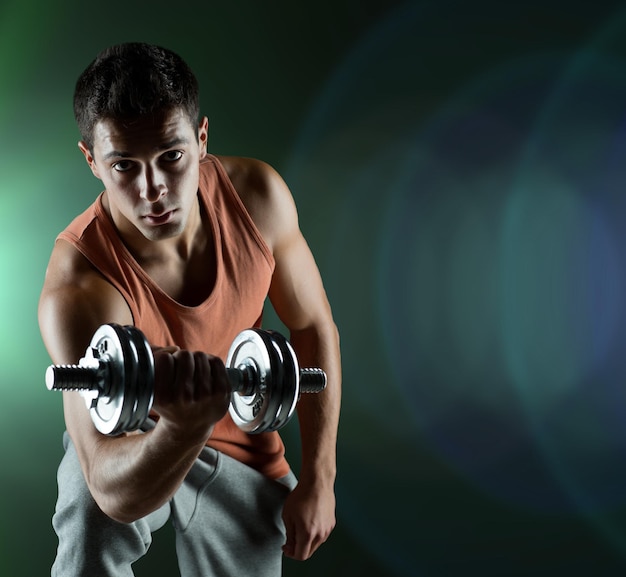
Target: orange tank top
244, 267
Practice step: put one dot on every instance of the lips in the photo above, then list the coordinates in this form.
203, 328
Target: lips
159, 219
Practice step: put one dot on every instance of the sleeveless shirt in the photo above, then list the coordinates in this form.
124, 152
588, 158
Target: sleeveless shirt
243, 269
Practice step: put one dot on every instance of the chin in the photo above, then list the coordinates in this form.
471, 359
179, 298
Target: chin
164, 231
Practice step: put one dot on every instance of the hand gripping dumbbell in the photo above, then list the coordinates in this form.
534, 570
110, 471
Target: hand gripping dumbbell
116, 378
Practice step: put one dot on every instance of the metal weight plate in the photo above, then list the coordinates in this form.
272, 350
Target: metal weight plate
256, 412
274, 386
142, 391
108, 412
290, 392
131, 382
146, 364
130, 392
276, 391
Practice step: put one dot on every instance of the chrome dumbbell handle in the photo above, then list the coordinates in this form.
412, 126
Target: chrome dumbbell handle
72, 378
312, 380
243, 380
88, 375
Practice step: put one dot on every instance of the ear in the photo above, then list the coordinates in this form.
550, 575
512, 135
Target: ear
203, 136
82, 145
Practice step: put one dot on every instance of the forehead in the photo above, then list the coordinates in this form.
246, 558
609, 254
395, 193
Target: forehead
151, 132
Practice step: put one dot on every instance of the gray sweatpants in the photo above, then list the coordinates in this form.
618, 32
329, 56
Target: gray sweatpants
227, 520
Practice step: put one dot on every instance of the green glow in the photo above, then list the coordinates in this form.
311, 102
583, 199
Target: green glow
545, 346
20, 51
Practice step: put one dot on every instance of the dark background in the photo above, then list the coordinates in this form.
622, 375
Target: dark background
459, 171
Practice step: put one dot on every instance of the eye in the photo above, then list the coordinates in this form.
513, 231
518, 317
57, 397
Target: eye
172, 155
123, 165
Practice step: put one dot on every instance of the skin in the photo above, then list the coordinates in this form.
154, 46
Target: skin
150, 172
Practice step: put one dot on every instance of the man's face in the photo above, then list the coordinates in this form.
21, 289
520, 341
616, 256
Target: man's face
150, 170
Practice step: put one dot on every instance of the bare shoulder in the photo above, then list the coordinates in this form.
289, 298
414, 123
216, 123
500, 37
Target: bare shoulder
265, 195
252, 177
69, 271
245, 170
74, 301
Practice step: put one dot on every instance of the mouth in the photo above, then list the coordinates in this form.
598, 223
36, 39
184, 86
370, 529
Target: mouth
159, 219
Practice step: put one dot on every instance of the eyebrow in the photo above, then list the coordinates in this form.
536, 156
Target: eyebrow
164, 146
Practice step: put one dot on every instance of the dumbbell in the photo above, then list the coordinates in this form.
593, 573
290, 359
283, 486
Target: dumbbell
116, 378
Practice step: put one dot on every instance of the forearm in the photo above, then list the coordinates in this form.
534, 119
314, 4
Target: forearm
318, 414
132, 476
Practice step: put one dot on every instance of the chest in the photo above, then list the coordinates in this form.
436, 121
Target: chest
188, 281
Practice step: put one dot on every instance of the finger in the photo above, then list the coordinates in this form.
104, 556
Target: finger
219, 380
303, 549
171, 349
307, 544
202, 375
164, 374
314, 546
184, 377
299, 546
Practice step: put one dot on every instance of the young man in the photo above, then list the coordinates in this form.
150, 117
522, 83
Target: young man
186, 246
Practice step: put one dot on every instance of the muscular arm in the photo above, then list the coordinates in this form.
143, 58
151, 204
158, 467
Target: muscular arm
310, 511
128, 476
299, 299
298, 296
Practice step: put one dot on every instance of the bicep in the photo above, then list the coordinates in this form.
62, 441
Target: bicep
74, 302
297, 292
68, 318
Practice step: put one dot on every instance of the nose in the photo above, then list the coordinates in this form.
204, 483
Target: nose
152, 186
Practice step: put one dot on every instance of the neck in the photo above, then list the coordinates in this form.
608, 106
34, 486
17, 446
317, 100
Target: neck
181, 246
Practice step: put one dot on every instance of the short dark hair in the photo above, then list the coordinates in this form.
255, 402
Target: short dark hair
131, 80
